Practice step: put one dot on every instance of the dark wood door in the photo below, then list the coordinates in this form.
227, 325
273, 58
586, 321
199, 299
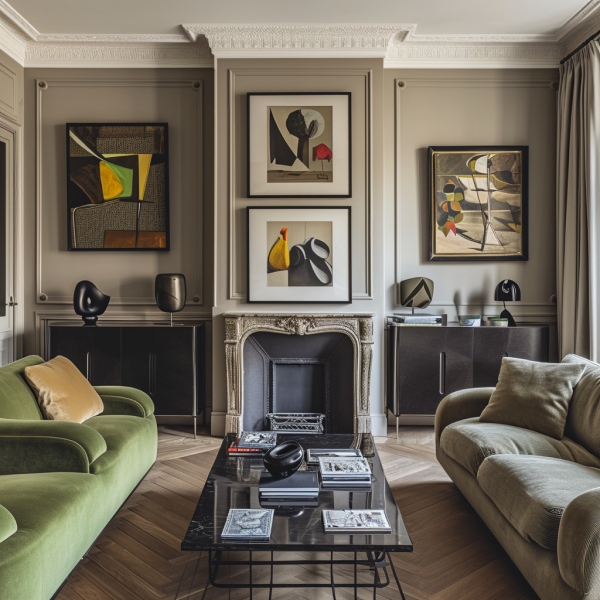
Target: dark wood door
492, 344
432, 362
95, 351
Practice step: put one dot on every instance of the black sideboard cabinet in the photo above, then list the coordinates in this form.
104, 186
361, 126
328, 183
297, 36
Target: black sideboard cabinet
425, 364
165, 362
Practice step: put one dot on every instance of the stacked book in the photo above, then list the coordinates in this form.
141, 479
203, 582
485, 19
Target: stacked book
421, 319
253, 442
356, 521
345, 473
301, 489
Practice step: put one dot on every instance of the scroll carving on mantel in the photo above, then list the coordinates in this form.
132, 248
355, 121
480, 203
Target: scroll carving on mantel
358, 327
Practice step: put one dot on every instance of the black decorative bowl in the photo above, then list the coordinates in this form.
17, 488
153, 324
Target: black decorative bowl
284, 460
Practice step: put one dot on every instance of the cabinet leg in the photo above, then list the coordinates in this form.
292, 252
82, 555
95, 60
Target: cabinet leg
396, 428
195, 423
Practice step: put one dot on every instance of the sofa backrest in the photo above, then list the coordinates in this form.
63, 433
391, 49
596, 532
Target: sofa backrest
17, 401
583, 419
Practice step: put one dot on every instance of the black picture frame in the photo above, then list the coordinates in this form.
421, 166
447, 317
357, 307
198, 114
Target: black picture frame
249, 193
432, 200
73, 188
250, 300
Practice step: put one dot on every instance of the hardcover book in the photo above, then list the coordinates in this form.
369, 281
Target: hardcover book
248, 524
344, 468
301, 482
264, 440
313, 454
356, 521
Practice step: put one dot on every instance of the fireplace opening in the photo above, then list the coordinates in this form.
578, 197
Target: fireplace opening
299, 374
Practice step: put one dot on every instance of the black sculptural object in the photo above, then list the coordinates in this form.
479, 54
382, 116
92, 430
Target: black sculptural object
284, 460
89, 302
170, 292
507, 289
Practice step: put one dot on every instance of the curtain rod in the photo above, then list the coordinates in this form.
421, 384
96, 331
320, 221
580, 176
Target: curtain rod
580, 47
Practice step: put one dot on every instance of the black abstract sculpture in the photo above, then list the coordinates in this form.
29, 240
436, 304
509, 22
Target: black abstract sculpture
284, 460
170, 292
89, 302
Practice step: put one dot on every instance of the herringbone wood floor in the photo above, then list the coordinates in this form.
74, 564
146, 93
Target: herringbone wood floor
138, 558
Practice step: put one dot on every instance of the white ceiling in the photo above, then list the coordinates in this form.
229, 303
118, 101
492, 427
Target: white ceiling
441, 17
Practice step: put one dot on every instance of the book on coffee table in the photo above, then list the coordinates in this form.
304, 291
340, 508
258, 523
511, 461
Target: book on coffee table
313, 454
264, 440
356, 521
248, 524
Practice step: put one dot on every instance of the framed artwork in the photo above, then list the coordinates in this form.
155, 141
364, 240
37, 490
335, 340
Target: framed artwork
478, 201
299, 254
118, 186
299, 145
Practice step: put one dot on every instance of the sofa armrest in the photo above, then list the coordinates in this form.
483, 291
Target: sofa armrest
8, 525
121, 400
579, 544
47, 446
460, 405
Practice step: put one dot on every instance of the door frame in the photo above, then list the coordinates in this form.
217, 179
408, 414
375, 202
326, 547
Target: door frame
17, 288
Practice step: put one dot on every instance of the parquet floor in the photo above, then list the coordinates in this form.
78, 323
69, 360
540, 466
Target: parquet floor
138, 558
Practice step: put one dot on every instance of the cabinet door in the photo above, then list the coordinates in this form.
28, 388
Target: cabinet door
431, 363
492, 344
95, 351
160, 362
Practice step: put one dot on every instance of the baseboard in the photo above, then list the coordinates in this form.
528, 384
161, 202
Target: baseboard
217, 424
378, 425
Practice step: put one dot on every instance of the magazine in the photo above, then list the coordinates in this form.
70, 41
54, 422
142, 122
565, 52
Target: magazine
265, 440
356, 521
340, 468
248, 524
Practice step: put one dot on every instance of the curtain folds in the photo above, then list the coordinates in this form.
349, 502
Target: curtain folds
577, 206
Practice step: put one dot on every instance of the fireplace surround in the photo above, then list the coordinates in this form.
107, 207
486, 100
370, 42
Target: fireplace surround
329, 373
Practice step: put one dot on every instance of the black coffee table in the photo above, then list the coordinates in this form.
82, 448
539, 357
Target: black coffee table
233, 483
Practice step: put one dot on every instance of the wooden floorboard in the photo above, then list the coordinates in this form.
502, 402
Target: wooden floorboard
138, 557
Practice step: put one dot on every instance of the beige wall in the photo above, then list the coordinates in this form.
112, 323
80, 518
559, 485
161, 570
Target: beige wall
116, 95
235, 78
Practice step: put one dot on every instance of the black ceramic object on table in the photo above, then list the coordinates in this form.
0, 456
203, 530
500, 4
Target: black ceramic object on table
284, 459
170, 292
89, 302
507, 290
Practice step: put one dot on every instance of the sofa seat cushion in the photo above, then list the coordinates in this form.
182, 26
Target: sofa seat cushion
131, 450
470, 442
532, 492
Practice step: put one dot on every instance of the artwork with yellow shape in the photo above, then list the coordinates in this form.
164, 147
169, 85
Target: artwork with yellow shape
279, 255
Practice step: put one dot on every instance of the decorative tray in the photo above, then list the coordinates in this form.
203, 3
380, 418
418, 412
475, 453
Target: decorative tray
296, 422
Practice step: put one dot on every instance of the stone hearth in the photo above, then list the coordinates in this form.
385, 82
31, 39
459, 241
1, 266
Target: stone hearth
357, 327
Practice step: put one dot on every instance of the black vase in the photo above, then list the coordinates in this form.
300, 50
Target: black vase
89, 302
170, 292
284, 460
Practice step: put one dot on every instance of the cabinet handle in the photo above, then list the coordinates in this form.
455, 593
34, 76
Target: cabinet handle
442, 372
88, 366
151, 373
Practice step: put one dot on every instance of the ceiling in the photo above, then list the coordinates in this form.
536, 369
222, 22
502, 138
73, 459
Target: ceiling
432, 17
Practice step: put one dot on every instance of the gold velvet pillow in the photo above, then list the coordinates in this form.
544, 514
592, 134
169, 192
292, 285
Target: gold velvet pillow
533, 395
63, 393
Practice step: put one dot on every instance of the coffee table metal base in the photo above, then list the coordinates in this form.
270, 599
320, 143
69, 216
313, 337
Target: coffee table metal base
377, 561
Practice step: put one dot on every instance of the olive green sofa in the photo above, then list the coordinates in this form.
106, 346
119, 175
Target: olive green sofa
60, 482
539, 496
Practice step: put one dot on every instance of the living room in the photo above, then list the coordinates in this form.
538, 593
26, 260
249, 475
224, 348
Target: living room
422, 177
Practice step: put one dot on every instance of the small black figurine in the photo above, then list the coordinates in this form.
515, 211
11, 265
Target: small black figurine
507, 289
89, 302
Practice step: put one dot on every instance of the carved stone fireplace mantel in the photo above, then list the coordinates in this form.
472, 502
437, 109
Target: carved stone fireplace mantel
357, 326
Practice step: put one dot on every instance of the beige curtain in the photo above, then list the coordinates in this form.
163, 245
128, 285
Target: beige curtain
578, 199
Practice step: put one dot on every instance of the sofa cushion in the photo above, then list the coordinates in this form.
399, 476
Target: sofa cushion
583, 420
469, 442
532, 492
533, 395
63, 393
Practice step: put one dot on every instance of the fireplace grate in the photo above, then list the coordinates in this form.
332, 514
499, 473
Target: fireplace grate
296, 422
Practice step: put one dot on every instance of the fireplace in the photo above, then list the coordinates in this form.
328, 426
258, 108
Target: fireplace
301, 363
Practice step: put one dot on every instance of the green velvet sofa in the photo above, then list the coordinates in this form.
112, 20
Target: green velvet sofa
539, 496
61, 483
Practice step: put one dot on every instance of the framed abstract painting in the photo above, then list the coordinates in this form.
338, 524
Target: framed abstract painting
478, 203
299, 145
299, 254
118, 186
